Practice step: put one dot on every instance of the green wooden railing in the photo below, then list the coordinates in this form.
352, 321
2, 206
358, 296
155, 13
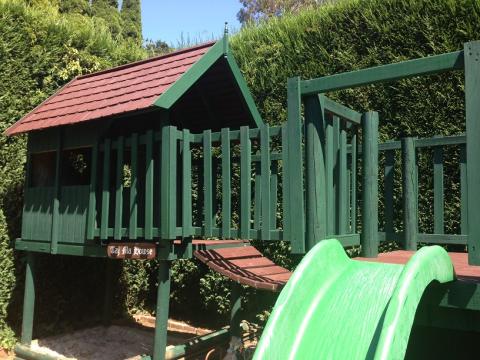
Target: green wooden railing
403, 155
309, 93
169, 170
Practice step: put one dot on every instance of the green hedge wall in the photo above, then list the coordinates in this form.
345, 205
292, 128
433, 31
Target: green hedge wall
40, 50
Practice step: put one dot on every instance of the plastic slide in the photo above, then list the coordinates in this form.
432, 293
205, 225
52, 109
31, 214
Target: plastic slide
337, 308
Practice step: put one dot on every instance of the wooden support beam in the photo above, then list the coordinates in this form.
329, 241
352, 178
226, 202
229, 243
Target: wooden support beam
390, 72
28, 300
235, 308
409, 184
105, 190
369, 237
92, 201
316, 223
245, 182
132, 227
57, 194
108, 292
265, 182
472, 114
162, 307
117, 233
226, 184
294, 176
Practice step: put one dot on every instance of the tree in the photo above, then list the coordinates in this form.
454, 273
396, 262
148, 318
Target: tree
132, 20
108, 10
255, 10
155, 48
74, 6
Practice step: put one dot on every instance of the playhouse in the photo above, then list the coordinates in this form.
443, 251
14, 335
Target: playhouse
115, 157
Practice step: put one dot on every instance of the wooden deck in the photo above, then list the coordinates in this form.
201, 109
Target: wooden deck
460, 263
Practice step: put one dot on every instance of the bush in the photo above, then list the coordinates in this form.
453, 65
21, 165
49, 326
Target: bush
40, 51
7, 283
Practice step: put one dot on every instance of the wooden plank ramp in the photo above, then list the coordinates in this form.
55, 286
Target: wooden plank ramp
245, 265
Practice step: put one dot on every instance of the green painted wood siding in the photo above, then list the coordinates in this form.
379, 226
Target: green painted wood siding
73, 214
37, 213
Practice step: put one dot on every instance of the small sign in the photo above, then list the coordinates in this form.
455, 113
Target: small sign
144, 251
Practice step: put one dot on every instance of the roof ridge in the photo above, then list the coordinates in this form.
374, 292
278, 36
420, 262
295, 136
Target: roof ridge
154, 58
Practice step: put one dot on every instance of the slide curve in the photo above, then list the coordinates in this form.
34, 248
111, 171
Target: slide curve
334, 307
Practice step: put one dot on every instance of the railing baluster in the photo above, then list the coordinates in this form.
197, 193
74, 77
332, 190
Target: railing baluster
92, 202
149, 186
169, 183
353, 200
187, 186
329, 178
286, 216
369, 238
409, 182
257, 216
342, 182
105, 190
336, 174
274, 194
265, 165
245, 181
117, 234
438, 192
226, 183
463, 190
132, 227
389, 188
207, 182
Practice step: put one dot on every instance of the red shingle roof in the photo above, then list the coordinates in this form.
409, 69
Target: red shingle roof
126, 88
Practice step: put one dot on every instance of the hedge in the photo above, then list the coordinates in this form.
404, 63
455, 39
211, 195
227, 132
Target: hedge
40, 50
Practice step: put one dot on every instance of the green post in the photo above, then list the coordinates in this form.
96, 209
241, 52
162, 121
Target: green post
163, 302
294, 176
108, 296
28, 300
472, 114
235, 307
316, 208
409, 184
369, 237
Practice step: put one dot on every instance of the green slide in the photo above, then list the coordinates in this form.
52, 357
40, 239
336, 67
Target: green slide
334, 307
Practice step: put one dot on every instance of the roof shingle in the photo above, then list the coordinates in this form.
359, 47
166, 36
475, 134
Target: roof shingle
123, 89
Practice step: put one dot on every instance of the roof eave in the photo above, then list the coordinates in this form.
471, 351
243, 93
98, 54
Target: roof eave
192, 75
186, 81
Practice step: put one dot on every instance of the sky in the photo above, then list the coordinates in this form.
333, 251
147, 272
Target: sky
197, 20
